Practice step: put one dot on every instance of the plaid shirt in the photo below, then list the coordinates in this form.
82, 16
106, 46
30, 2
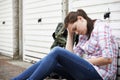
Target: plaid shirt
101, 44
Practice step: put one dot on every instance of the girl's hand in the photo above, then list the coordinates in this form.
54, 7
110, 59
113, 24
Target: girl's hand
69, 29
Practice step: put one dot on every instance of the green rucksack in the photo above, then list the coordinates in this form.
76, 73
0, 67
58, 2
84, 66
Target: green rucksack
60, 36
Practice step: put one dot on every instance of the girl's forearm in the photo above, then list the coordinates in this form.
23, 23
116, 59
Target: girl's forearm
69, 45
100, 61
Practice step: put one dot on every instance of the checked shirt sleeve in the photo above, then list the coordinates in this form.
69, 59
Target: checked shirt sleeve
105, 40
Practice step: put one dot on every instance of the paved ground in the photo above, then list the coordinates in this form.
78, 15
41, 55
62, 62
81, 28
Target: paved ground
10, 68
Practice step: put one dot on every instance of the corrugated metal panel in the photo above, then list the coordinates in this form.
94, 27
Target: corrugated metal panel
96, 9
118, 65
6, 28
38, 35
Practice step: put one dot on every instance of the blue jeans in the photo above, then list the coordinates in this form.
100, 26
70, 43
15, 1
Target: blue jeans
71, 64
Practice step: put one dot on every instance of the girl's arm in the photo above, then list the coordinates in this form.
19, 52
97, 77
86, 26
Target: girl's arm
100, 61
69, 45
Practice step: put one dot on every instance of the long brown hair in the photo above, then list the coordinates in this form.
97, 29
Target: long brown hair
72, 17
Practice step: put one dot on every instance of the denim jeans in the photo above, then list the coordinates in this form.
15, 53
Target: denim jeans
71, 65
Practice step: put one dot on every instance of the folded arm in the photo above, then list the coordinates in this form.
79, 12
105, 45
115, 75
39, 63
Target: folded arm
100, 61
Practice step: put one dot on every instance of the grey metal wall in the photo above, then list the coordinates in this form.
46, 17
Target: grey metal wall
40, 18
6, 27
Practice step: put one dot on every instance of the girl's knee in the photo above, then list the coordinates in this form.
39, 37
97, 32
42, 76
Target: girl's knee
56, 49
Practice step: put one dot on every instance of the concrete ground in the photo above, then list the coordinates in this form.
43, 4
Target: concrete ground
10, 68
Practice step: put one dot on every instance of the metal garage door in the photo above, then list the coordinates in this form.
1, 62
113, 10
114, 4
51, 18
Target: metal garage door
40, 18
6, 28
